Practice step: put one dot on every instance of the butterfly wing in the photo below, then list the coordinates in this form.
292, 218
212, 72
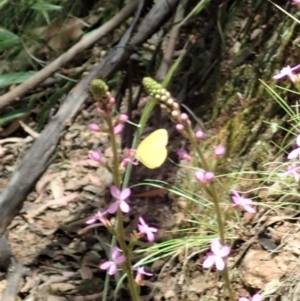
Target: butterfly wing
152, 151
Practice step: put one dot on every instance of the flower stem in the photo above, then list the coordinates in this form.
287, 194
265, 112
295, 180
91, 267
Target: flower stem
225, 276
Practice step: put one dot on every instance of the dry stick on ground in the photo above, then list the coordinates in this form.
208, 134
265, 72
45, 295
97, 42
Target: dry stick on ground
38, 158
84, 43
171, 42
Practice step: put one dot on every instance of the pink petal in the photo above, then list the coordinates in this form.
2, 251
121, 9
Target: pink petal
113, 207
105, 265
256, 297
249, 209
142, 221
120, 259
150, 236
220, 264
236, 200
224, 251
215, 246
294, 154
90, 221
125, 194
115, 192
124, 207
112, 270
209, 262
115, 253
298, 140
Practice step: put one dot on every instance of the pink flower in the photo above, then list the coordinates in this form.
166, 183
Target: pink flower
112, 265
99, 216
145, 229
184, 155
296, 2
140, 273
287, 71
291, 171
219, 151
96, 155
256, 297
296, 152
242, 202
215, 257
120, 196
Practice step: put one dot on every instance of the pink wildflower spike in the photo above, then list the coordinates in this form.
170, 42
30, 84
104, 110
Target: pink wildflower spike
296, 152
99, 216
145, 229
94, 127
291, 171
140, 273
287, 71
96, 155
184, 155
216, 256
120, 196
256, 297
243, 203
112, 265
219, 151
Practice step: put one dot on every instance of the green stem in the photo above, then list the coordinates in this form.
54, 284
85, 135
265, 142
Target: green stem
225, 276
119, 222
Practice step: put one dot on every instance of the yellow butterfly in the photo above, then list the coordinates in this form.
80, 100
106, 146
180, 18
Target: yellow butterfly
152, 151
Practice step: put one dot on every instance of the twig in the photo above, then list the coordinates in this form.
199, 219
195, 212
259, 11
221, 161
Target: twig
171, 42
84, 43
13, 280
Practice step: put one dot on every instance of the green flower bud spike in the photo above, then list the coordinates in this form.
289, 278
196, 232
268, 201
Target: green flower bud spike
155, 90
99, 90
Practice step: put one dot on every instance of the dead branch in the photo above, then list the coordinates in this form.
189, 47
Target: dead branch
84, 43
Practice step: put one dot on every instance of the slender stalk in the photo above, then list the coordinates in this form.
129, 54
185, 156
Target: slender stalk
119, 223
226, 278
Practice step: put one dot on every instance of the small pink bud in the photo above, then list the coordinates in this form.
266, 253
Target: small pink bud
179, 127
184, 117
199, 135
184, 155
209, 176
123, 118
112, 100
199, 176
95, 155
174, 113
118, 128
94, 127
219, 151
